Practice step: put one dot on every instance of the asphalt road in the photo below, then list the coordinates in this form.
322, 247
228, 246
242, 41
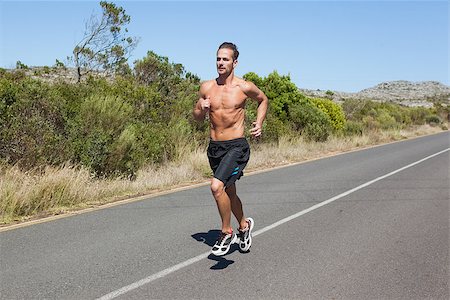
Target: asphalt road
383, 234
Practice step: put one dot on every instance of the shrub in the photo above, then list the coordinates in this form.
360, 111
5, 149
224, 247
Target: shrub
274, 129
151, 140
8, 96
442, 110
353, 128
125, 157
101, 120
418, 115
370, 123
281, 92
333, 111
433, 119
376, 115
20, 65
32, 128
290, 109
386, 120
311, 121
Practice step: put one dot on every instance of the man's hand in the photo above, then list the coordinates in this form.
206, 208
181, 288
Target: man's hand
256, 130
205, 104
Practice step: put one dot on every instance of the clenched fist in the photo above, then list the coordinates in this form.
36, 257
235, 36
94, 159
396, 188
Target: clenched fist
205, 103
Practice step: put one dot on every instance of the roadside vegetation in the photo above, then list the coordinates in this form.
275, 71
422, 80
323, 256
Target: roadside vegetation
66, 146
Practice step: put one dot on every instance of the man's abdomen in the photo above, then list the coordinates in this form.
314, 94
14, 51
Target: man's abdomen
227, 125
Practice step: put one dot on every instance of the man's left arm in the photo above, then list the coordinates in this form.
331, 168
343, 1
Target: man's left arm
252, 91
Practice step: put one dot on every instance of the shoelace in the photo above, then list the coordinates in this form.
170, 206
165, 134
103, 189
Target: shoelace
221, 237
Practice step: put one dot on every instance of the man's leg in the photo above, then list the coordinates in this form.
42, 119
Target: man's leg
223, 203
236, 205
245, 224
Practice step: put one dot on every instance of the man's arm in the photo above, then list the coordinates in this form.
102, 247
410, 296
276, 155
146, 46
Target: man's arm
201, 108
252, 91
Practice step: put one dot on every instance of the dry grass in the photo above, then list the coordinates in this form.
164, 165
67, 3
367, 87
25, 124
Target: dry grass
296, 150
25, 195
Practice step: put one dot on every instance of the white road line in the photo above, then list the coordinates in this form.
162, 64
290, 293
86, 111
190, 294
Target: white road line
193, 260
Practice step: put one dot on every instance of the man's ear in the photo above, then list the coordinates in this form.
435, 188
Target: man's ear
235, 62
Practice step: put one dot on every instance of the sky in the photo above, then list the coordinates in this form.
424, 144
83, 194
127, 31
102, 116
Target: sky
328, 45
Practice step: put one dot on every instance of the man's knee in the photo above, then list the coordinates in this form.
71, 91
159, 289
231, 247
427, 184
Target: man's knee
217, 187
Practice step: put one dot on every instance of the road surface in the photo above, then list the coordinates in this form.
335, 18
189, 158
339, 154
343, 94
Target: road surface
370, 224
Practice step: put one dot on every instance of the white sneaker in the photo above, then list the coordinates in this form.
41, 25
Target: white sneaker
223, 243
245, 236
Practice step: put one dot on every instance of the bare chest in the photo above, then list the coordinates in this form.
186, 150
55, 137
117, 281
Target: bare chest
223, 97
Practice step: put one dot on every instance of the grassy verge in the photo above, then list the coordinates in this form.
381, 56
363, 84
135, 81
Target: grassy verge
52, 191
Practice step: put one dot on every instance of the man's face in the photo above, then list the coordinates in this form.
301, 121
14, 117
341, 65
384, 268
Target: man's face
225, 63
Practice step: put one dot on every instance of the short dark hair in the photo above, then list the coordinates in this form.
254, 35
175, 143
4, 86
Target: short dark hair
228, 45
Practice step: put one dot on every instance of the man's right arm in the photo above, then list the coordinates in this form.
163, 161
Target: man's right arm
201, 108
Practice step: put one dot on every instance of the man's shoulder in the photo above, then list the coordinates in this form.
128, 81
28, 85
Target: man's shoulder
205, 86
208, 83
244, 84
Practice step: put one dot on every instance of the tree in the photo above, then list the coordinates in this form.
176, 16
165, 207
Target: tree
106, 45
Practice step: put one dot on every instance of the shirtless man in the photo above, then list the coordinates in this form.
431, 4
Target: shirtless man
223, 99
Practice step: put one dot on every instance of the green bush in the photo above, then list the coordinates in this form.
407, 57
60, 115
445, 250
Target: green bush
288, 108
314, 124
353, 128
100, 121
32, 128
418, 115
151, 143
376, 115
386, 120
274, 129
124, 156
281, 92
20, 65
333, 111
370, 123
433, 119
8, 96
442, 110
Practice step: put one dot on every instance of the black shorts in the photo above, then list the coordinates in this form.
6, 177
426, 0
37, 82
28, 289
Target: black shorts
228, 159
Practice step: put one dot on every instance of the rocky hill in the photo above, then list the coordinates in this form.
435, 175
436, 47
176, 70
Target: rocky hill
407, 93
55, 74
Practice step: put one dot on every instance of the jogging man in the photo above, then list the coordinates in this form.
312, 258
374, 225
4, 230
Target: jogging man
223, 99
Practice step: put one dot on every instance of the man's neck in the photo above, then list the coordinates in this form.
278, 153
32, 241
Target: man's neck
225, 79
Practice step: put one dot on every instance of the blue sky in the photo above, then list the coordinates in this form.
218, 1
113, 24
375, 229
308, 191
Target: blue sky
336, 45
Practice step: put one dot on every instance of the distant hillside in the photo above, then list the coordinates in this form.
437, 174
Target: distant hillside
404, 92
407, 93
54, 74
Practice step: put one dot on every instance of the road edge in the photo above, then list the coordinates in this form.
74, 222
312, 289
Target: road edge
171, 190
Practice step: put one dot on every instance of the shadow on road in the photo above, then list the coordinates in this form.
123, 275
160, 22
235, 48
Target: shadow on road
209, 238
222, 262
